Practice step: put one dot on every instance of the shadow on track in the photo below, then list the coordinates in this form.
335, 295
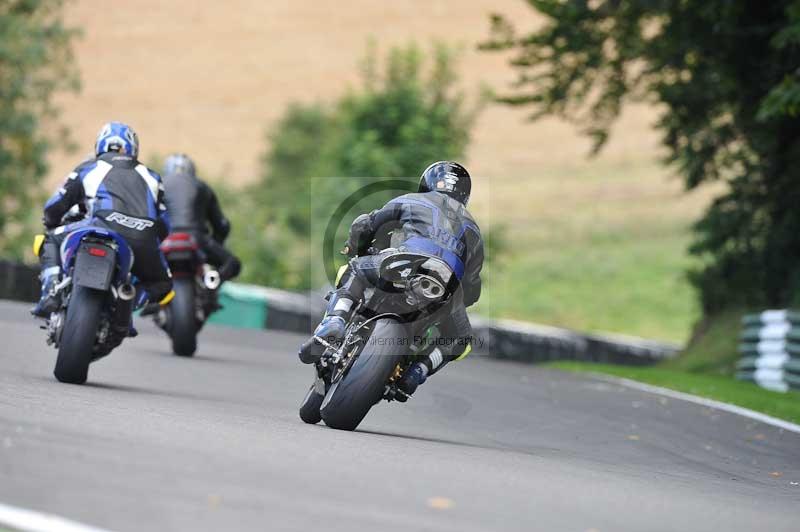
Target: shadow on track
161, 393
431, 439
536, 451
200, 358
228, 361
428, 439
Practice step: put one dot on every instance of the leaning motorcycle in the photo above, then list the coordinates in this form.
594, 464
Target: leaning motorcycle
195, 284
96, 297
381, 342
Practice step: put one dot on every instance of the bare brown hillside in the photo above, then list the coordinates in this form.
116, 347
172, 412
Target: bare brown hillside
208, 77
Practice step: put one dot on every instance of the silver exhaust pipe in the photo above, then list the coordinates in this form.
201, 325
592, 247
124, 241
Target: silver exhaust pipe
126, 292
121, 319
211, 279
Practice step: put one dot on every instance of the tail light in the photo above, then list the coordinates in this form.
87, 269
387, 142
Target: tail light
179, 242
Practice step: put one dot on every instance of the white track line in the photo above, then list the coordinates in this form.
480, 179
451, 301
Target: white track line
30, 521
719, 405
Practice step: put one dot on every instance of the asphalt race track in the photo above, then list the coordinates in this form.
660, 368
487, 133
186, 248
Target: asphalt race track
156, 442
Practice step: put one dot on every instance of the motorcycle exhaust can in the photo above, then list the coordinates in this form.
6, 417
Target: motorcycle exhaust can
124, 307
211, 279
126, 292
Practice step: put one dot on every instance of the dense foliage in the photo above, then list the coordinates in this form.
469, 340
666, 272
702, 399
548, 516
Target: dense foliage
727, 77
35, 64
406, 114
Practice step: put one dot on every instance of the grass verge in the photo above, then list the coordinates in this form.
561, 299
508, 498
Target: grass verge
713, 347
780, 405
593, 247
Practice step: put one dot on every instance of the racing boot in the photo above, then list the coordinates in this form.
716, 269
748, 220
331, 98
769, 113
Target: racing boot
412, 378
157, 296
331, 328
49, 300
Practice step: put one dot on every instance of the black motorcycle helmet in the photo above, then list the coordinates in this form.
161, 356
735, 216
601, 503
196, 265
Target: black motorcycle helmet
448, 178
179, 163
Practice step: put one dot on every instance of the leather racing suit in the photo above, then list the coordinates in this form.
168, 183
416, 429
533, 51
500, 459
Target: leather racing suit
430, 223
111, 190
193, 208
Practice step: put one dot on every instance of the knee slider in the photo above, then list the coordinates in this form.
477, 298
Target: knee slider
462, 348
340, 275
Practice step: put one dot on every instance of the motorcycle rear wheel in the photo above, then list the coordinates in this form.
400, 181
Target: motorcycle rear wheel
309, 409
78, 335
183, 322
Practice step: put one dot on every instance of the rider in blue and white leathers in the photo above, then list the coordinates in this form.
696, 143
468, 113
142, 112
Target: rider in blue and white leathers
116, 192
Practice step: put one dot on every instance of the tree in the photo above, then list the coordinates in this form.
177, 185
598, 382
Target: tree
726, 76
406, 114
35, 64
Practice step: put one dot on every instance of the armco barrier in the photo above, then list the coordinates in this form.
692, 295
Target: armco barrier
18, 281
254, 306
526, 342
288, 311
242, 306
530, 342
260, 307
770, 347
628, 350
505, 339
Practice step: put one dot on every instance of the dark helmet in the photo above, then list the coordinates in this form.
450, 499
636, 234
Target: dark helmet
448, 178
179, 163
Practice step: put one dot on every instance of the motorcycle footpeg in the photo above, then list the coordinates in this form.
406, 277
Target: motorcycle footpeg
401, 396
393, 393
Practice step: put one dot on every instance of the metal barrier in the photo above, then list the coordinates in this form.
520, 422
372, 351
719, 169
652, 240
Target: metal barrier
269, 308
506, 339
19, 281
770, 349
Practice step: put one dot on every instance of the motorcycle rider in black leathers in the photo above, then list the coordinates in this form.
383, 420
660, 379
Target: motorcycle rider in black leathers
193, 208
433, 221
112, 182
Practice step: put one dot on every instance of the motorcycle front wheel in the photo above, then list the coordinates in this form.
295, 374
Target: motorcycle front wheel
309, 408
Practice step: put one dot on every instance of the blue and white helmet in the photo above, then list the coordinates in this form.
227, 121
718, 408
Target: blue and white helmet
119, 137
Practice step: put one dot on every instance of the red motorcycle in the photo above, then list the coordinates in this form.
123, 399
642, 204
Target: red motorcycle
195, 284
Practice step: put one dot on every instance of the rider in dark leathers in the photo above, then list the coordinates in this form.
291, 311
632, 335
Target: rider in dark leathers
113, 182
193, 208
433, 221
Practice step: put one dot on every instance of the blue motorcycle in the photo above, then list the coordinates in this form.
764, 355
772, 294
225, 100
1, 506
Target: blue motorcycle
97, 297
